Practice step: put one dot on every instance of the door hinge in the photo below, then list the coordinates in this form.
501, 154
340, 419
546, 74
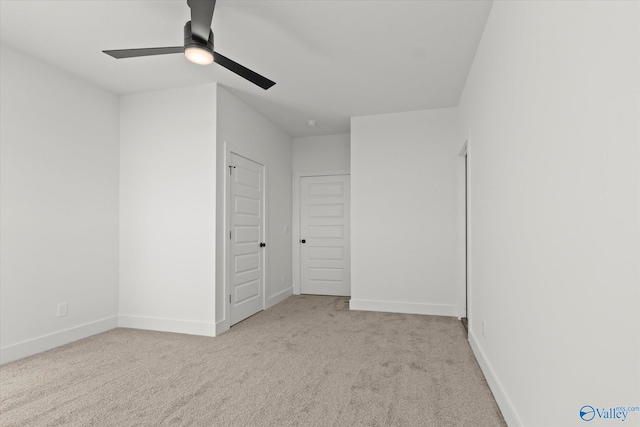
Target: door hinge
230, 168
229, 234
229, 298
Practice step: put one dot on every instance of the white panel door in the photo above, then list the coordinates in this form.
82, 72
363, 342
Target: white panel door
247, 247
325, 253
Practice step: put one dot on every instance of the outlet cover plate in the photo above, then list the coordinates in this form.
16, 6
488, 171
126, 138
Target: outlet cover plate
63, 309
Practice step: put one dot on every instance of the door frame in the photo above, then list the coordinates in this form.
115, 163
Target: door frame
227, 228
295, 236
464, 231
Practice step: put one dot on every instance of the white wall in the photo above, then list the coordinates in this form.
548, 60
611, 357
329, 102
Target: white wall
167, 210
321, 153
552, 106
404, 212
244, 131
59, 207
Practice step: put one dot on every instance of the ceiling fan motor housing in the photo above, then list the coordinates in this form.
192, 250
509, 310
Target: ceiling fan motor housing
190, 41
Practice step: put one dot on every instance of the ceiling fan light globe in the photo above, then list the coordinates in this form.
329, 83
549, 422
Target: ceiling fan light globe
198, 55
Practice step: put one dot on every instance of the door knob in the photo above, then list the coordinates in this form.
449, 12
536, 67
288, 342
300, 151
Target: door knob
262, 245
303, 241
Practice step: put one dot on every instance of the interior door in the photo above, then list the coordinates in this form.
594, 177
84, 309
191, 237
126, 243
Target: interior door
465, 319
325, 252
246, 234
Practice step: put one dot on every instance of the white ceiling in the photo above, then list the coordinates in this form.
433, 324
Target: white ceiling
331, 59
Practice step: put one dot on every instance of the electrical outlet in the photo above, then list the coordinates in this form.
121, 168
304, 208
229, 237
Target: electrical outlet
484, 329
63, 309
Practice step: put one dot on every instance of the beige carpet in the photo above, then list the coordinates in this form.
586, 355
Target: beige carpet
308, 361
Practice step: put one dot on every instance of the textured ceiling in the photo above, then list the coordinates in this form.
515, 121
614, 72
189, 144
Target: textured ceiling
331, 60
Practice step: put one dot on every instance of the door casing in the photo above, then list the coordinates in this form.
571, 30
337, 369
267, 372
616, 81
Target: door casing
297, 176
464, 234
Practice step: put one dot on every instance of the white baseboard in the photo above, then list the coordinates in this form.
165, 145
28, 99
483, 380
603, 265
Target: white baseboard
403, 307
179, 326
279, 297
222, 326
508, 411
47, 342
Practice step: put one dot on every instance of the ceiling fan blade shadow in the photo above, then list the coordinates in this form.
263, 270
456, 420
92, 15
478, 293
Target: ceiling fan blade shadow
243, 71
201, 17
132, 53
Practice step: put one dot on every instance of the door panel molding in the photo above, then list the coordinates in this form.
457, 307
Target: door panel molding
295, 235
297, 176
245, 272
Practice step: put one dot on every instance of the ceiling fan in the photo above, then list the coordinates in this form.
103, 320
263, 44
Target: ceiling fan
198, 45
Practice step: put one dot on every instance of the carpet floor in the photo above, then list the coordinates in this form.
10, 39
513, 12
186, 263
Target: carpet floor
308, 361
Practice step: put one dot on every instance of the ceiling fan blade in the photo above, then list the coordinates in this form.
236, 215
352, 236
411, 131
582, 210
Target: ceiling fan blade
243, 71
201, 17
132, 53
